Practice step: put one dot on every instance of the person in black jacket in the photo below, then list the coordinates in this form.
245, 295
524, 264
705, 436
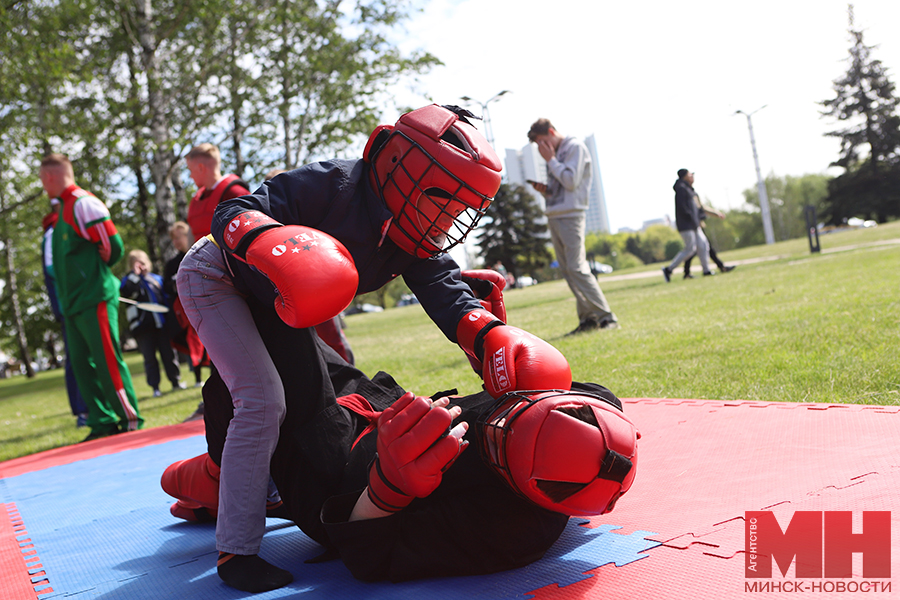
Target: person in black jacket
501, 505
150, 329
687, 220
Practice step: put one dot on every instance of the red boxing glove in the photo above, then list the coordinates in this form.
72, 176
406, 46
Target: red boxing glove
514, 360
487, 285
413, 452
313, 272
242, 230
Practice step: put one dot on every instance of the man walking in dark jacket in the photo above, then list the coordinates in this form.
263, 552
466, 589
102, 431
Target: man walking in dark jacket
687, 220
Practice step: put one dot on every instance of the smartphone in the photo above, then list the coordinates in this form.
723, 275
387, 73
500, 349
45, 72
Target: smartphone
532, 182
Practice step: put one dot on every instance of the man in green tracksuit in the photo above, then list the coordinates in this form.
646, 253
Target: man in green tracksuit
85, 245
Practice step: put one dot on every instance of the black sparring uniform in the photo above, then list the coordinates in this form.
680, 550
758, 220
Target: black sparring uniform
473, 523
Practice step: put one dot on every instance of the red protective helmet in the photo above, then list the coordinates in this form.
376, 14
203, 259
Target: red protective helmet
437, 175
570, 452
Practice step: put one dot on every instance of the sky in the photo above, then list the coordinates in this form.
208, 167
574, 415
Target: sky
657, 82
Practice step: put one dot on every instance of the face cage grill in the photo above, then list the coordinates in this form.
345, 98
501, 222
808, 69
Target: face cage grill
462, 224
495, 454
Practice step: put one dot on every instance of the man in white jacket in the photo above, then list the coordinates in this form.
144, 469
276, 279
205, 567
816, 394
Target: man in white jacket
566, 195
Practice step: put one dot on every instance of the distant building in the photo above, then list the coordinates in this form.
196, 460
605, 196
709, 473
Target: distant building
662, 221
527, 163
597, 219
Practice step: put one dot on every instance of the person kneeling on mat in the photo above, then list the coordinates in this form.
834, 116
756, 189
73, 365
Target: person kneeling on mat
298, 250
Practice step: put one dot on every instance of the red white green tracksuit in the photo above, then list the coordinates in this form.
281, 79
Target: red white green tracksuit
85, 245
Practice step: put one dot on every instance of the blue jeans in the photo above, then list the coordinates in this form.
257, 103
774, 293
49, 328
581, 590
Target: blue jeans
222, 319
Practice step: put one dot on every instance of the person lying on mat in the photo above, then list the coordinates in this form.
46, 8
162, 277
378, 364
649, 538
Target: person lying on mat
381, 477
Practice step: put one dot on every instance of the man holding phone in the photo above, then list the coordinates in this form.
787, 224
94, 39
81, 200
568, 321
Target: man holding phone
566, 195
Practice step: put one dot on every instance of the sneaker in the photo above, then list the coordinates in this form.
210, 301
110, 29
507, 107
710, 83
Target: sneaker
585, 326
157, 393
688, 276
198, 384
708, 273
609, 324
727, 268
667, 273
197, 414
81, 421
101, 431
179, 386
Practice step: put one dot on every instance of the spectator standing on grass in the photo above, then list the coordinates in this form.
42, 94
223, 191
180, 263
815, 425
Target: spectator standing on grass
149, 328
566, 195
85, 246
687, 220
184, 337
76, 402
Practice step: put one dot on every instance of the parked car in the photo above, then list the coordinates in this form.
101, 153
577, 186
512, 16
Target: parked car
365, 307
407, 299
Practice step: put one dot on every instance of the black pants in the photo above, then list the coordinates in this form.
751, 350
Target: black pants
151, 341
712, 255
310, 463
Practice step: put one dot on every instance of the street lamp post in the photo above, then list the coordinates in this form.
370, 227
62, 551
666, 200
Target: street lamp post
488, 131
760, 183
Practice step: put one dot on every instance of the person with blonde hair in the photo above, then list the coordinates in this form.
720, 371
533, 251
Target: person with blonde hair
205, 166
85, 245
149, 328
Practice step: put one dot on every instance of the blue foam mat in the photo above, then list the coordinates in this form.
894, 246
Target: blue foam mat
102, 529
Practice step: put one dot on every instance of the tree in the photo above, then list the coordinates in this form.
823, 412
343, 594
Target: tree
126, 87
514, 232
788, 196
870, 138
328, 69
654, 244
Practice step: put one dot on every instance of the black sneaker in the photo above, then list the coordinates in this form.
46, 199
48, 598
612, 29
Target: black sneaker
727, 268
585, 326
609, 324
688, 276
708, 273
667, 273
196, 415
102, 431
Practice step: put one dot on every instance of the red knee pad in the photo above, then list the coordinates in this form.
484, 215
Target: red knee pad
195, 480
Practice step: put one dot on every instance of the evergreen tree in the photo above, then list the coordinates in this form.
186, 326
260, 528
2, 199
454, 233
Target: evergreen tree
865, 104
514, 232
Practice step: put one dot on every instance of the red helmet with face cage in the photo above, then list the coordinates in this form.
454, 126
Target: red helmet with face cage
570, 452
437, 175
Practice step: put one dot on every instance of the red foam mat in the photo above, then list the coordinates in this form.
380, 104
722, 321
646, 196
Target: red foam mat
702, 465
100, 447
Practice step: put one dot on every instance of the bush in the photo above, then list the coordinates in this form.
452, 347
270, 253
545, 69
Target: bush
673, 247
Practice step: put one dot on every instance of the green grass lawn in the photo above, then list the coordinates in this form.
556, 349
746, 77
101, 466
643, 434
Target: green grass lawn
801, 328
